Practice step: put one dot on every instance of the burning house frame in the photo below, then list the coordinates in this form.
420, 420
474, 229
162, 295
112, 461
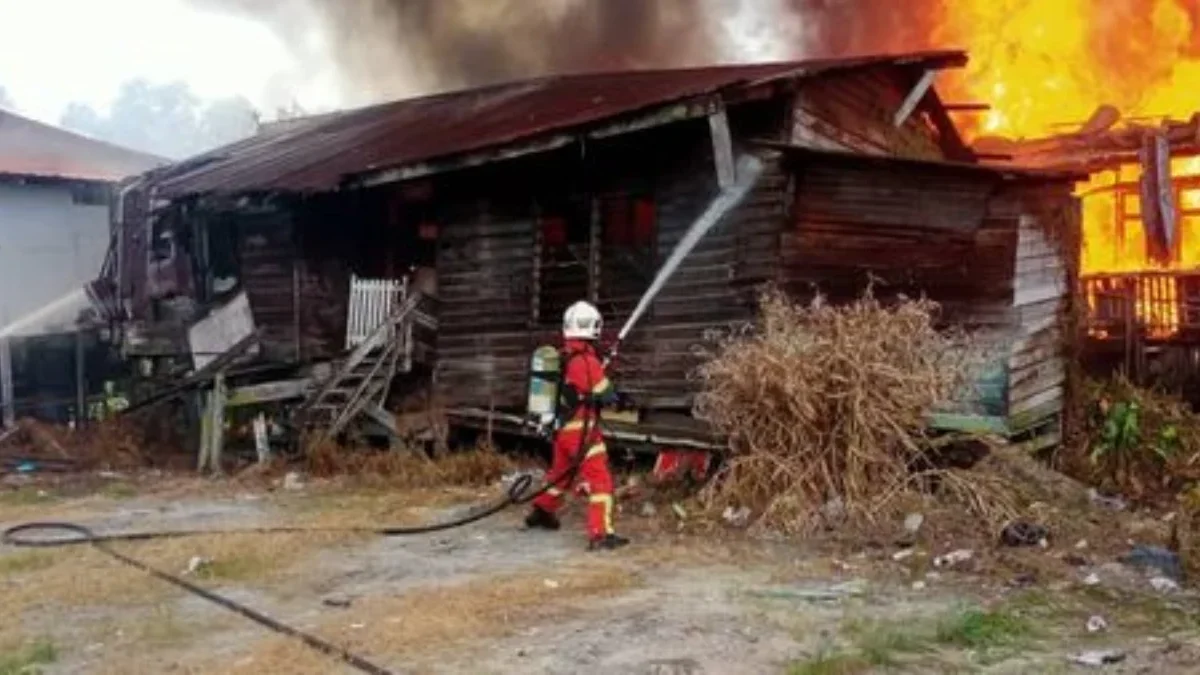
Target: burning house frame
329, 261
1140, 246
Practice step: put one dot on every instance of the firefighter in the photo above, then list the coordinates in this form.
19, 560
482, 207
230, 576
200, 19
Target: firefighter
584, 389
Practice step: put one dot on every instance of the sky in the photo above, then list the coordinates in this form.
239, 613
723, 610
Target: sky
53, 52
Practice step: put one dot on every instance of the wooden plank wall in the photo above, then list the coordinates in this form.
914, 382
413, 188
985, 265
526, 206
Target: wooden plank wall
1043, 296
485, 273
913, 231
715, 286
855, 113
487, 283
266, 253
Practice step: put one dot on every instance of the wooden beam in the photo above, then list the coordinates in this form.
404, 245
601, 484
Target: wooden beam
269, 392
722, 141
967, 107
914, 98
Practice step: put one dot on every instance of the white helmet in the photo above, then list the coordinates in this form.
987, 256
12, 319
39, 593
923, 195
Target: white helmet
581, 321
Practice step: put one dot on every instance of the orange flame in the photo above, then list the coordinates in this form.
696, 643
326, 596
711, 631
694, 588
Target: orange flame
1045, 66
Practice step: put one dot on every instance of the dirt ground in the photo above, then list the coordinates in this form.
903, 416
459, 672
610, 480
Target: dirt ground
493, 598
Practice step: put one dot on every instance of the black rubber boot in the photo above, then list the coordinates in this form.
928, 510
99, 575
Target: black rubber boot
541, 519
608, 542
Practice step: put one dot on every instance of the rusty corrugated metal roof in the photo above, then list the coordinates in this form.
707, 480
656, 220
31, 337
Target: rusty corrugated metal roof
322, 153
32, 149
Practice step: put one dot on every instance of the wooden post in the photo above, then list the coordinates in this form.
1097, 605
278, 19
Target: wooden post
722, 143
218, 423
6, 382
206, 416
81, 416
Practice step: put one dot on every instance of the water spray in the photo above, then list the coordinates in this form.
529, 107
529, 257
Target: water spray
749, 168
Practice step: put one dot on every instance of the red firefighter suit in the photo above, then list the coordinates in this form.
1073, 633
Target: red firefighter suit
586, 387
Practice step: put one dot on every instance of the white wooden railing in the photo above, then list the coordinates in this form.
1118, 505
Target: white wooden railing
372, 302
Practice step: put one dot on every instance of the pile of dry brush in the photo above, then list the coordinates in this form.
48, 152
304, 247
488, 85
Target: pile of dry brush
827, 405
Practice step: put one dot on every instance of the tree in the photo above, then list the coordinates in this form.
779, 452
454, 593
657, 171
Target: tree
165, 119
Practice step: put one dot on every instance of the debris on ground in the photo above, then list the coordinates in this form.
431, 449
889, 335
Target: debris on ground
1096, 623
1024, 534
739, 517
338, 601
1164, 584
1155, 558
953, 558
1098, 658
293, 481
913, 522
197, 564
1106, 502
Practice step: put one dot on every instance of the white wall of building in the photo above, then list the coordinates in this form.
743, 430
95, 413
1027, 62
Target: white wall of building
49, 245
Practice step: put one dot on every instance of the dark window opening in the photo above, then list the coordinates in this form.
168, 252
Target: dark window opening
629, 252
564, 234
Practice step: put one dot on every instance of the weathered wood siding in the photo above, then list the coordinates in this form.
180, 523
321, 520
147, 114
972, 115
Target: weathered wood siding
485, 304
914, 232
855, 113
489, 322
714, 287
1042, 301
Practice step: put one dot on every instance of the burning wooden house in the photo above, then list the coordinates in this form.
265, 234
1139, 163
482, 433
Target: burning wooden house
1140, 248
312, 261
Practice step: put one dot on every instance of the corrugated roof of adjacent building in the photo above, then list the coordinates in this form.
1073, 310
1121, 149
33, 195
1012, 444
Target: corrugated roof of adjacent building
33, 149
322, 153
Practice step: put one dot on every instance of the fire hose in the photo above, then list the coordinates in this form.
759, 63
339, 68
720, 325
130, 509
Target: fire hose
748, 170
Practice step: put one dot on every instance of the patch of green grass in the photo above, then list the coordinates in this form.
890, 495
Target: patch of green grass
26, 659
26, 496
830, 662
983, 629
118, 490
882, 645
25, 561
235, 568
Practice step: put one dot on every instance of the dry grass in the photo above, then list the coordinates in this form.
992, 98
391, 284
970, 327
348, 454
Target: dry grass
408, 468
825, 403
408, 625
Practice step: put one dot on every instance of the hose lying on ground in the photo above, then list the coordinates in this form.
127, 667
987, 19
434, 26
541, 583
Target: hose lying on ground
18, 536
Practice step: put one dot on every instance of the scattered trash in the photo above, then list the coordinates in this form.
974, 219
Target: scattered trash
1024, 534
1023, 580
1081, 544
1155, 558
953, 558
1075, 560
1098, 658
1164, 585
197, 564
739, 517
110, 475
293, 481
649, 510
1096, 623
913, 522
337, 601
1103, 501
358, 626
1091, 579
833, 510
901, 555
680, 512
27, 467
918, 585
550, 583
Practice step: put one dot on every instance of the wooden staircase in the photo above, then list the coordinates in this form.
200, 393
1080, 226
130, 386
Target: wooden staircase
361, 380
